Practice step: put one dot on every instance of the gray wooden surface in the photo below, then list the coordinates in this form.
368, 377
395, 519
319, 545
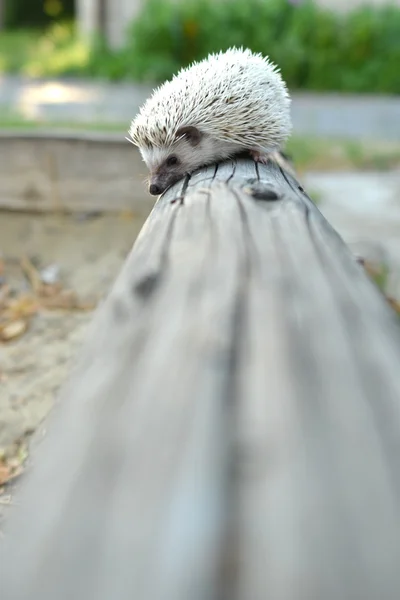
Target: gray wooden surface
71, 171
231, 430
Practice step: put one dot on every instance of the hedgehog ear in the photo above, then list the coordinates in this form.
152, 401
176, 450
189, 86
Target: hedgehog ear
190, 133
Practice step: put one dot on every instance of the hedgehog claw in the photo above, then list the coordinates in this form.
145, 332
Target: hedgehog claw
260, 157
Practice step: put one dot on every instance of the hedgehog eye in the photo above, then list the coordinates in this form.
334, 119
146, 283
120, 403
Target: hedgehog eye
172, 160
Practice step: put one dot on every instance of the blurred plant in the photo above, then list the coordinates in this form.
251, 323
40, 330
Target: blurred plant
53, 8
315, 48
28, 13
57, 50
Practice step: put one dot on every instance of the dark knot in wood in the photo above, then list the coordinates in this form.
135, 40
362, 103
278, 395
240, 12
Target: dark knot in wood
146, 285
261, 191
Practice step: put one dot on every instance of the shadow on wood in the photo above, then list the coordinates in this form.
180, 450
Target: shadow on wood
231, 430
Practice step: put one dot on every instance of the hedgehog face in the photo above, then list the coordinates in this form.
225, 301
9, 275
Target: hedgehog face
168, 164
166, 167
190, 150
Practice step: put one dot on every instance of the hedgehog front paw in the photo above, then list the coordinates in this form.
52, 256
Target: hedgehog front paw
260, 157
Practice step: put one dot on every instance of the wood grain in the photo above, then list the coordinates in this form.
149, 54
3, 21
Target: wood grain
232, 427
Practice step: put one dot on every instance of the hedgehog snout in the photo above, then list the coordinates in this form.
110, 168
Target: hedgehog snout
154, 189
162, 181
158, 185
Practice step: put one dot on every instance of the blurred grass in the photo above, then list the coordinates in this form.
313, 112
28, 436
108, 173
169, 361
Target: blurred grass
330, 154
15, 47
13, 121
35, 53
327, 154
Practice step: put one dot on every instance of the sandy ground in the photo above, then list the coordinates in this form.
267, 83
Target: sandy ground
88, 251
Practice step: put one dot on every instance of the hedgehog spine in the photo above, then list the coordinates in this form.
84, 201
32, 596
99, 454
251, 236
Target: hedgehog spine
231, 102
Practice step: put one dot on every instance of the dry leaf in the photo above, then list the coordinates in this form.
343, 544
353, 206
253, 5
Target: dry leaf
15, 312
13, 330
9, 472
66, 300
23, 306
50, 289
4, 473
12, 460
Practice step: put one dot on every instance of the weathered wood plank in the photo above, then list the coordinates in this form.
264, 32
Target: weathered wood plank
323, 493
69, 172
232, 427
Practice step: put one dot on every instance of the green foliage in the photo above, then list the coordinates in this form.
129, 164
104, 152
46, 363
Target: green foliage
14, 49
57, 51
315, 48
28, 13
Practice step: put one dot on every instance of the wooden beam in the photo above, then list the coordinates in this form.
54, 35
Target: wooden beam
71, 172
232, 427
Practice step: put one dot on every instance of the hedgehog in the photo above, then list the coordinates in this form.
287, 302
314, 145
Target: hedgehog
227, 104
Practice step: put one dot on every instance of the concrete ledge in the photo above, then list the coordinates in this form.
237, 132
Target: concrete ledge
347, 116
68, 172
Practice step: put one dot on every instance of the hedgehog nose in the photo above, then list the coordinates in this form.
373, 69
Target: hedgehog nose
154, 189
